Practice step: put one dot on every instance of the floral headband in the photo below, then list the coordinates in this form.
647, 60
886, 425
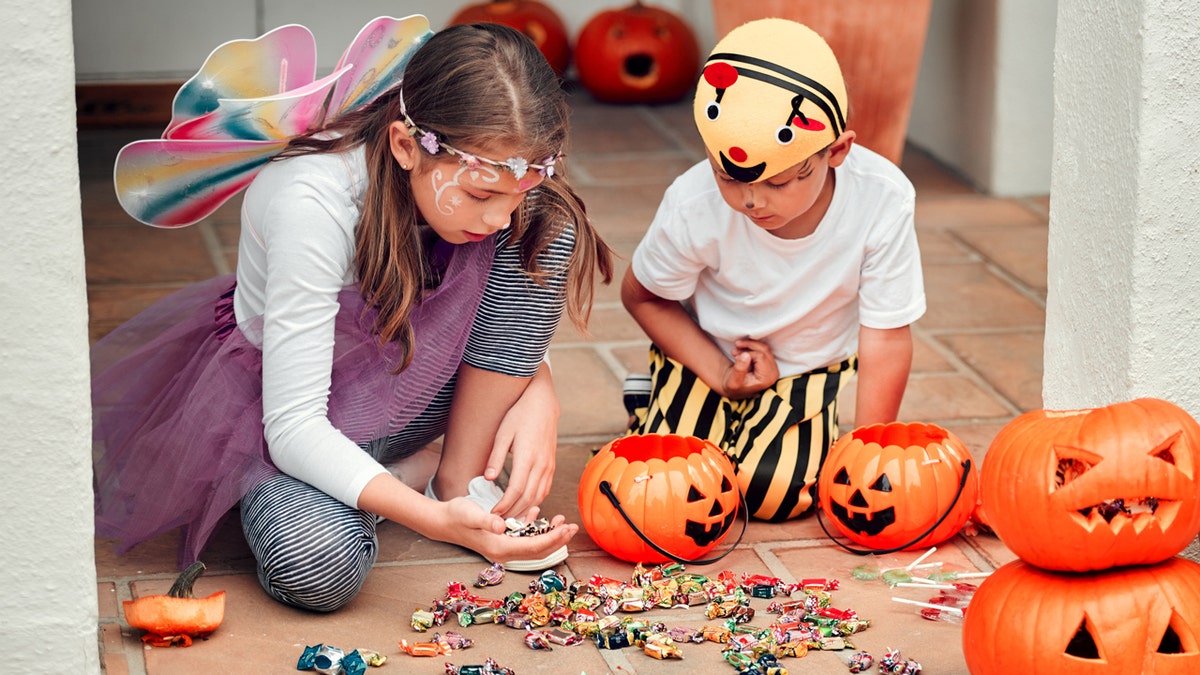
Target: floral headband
517, 166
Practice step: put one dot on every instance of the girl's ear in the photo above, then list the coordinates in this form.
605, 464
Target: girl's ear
404, 147
841, 147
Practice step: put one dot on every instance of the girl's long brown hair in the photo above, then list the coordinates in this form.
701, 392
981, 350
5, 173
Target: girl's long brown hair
477, 86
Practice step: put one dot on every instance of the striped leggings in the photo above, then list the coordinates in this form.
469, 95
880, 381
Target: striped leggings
777, 440
313, 551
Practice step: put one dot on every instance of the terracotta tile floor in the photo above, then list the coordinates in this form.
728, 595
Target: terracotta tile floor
978, 363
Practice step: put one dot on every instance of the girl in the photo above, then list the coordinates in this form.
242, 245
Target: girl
400, 274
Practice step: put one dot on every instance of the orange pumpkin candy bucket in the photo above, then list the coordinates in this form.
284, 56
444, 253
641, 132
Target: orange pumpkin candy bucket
897, 486
652, 498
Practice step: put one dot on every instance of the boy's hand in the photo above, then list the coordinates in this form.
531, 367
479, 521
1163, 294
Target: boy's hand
753, 369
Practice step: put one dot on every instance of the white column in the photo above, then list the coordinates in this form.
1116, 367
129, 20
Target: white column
1123, 307
48, 614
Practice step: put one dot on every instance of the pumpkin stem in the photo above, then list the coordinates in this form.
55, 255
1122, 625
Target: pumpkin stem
182, 588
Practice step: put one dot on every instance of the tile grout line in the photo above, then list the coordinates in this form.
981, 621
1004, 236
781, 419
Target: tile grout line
963, 368
999, 272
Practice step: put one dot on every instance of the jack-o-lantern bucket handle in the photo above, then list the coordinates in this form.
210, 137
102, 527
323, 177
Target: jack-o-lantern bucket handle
962, 483
606, 488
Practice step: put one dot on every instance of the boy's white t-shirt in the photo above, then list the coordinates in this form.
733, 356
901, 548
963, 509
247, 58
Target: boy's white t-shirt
805, 297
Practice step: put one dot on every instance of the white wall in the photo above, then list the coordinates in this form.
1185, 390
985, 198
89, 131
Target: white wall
1123, 304
48, 614
169, 39
984, 96
983, 102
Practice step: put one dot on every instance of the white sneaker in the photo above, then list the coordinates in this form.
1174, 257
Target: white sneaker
487, 494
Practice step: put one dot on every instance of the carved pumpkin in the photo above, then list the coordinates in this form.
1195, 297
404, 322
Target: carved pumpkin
638, 54
1143, 619
177, 617
680, 491
898, 486
1092, 489
537, 20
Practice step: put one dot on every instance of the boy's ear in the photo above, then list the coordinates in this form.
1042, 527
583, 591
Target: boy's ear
403, 146
841, 147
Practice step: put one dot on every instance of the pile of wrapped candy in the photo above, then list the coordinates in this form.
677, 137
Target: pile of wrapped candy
604, 611
330, 660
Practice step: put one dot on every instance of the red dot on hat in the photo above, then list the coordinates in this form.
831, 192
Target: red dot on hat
720, 75
737, 154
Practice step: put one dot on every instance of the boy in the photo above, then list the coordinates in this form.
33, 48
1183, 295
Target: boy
775, 270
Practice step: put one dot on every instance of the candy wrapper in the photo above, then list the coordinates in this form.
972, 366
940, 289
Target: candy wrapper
330, 660
894, 664
491, 576
424, 648
489, 667
519, 528
860, 662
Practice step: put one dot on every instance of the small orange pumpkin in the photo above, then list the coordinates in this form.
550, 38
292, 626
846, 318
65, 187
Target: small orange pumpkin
1091, 489
898, 486
537, 20
177, 617
638, 54
679, 491
1142, 619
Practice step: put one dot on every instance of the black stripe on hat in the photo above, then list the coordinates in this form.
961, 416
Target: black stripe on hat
806, 87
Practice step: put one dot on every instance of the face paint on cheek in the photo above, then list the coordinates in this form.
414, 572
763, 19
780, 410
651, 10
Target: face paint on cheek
446, 204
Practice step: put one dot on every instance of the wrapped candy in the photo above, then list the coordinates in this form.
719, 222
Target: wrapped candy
718, 634
563, 637
685, 634
489, 667
617, 640
893, 664
860, 662
456, 641
330, 660
548, 581
517, 620
519, 528
425, 649
423, 620
660, 646
491, 576
537, 640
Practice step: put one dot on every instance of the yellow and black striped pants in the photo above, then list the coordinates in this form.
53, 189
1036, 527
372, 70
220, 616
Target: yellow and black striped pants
777, 439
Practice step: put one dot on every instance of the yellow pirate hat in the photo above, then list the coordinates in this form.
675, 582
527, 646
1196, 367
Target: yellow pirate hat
771, 95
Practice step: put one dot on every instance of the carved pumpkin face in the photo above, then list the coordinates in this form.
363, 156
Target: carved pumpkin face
1092, 489
1143, 619
884, 485
537, 20
638, 54
678, 490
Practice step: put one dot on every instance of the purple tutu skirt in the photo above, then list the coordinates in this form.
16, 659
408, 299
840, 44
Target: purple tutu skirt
177, 399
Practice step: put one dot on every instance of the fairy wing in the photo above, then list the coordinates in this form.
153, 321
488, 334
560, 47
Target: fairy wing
240, 109
268, 118
173, 183
277, 61
376, 58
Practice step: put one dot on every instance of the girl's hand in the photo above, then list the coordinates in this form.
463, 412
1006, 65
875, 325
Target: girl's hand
529, 432
462, 522
753, 369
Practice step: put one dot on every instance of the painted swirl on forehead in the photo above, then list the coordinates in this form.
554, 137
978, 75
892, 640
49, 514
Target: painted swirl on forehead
446, 204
